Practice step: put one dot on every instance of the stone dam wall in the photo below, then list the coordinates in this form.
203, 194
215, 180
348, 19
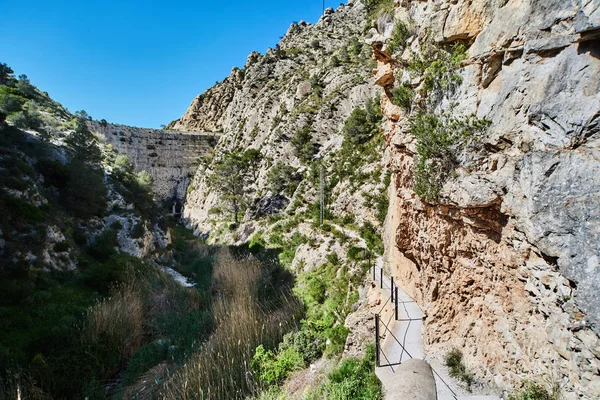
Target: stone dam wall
170, 157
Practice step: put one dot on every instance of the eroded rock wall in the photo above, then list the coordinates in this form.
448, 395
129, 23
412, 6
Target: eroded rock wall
506, 261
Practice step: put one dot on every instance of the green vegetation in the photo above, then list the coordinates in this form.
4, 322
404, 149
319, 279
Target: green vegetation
439, 144
123, 319
304, 148
289, 246
441, 74
403, 95
135, 188
296, 351
535, 391
442, 140
375, 8
72, 350
283, 179
400, 35
231, 177
353, 379
327, 293
380, 198
439, 66
372, 238
457, 368
363, 124
221, 367
21, 103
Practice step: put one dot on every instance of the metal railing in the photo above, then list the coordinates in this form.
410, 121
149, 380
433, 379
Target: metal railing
387, 331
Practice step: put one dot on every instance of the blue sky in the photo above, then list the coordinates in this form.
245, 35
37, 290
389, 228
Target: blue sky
139, 62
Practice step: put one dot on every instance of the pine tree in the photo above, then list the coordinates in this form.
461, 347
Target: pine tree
83, 144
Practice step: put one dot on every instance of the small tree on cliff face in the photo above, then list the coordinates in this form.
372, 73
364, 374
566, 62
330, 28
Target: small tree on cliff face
232, 176
252, 159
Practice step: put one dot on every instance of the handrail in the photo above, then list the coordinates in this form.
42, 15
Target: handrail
387, 328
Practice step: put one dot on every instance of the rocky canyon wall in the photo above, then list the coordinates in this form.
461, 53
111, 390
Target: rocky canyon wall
315, 77
170, 157
506, 260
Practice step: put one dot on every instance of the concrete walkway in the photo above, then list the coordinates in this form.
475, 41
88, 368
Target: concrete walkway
404, 341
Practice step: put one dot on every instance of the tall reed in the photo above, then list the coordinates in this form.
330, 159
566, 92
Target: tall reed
119, 318
221, 368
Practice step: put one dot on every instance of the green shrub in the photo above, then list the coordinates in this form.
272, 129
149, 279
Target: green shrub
535, 391
55, 173
402, 96
11, 100
104, 246
363, 124
61, 247
356, 253
333, 259
306, 342
135, 188
353, 379
439, 141
377, 7
348, 219
138, 230
315, 288
337, 338
20, 212
302, 144
372, 238
441, 73
283, 179
271, 369
25, 120
85, 192
400, 34
457, 368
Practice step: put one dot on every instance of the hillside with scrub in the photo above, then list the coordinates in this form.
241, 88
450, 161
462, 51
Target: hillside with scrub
252, 247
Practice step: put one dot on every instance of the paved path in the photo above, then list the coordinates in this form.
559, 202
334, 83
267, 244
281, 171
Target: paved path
404, 341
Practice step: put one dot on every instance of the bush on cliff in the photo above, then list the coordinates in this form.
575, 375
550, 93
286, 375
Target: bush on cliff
441, 142
363, 123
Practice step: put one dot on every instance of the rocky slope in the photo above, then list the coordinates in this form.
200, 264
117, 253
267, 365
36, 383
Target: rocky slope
491, 129
313, 80
505, 259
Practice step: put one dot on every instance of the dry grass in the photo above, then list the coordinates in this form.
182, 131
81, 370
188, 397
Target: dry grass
221, 368
120, 318
16, 386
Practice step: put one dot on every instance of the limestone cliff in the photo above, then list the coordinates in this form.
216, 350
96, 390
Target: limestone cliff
313, 80
492, 112
505, 259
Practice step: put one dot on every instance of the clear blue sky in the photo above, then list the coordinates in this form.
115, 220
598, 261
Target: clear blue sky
139, 62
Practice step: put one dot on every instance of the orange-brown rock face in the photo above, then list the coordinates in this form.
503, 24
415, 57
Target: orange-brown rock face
499, 269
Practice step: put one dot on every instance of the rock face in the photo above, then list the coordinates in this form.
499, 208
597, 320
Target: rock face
207, 111
314, 79
170, 157
506, 261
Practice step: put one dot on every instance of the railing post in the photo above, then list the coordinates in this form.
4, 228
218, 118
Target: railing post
396, 302
377, 362
392, 288
374, 277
